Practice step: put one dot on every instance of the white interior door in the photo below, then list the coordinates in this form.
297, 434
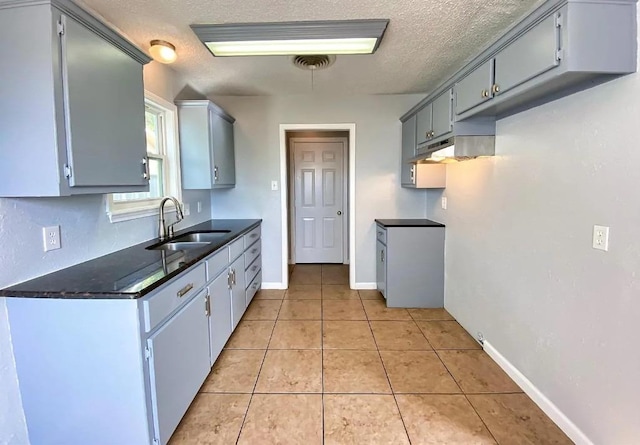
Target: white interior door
318, 199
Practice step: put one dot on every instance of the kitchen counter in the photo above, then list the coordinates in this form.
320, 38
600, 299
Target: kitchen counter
408, 223
129, 273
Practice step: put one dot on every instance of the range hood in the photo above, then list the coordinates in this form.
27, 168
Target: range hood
456, 149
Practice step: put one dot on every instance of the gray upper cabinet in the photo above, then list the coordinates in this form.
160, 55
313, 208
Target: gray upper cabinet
72, 109
475, 88
206, 145
407, 170
442, 114
424, 124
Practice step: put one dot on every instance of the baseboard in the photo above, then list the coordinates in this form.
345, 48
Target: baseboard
546, 405
272, 286
365, 286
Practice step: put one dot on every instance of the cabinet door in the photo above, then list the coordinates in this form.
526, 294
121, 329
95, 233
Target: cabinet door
104, 110
381, 268
532, 54
238, 287
408, 151
178, 365
475, 88
424, 124
442, 114
220, 316
223, 152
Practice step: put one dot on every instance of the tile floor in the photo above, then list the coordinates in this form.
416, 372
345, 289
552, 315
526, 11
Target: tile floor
323, 364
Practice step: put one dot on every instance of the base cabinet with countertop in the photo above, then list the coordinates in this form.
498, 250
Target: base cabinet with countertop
123, 368
410, 262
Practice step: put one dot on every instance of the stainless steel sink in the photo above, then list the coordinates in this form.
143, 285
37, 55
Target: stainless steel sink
203, 237
179, 245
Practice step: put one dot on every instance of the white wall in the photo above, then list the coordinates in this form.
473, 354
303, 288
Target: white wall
85, 233
519, 262
378, 193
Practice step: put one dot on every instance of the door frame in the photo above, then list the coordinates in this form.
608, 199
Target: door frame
284, 192
345, 188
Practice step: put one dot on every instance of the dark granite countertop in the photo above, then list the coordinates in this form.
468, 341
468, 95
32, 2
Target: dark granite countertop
408, 223
129, 273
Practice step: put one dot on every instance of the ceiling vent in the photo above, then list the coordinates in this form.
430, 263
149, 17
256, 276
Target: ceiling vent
313, 62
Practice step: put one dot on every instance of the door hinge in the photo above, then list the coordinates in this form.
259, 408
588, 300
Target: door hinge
60, 28
148, 352
67, 171
559, 54
558, 20
156, 441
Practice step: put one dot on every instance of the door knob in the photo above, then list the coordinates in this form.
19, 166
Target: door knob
339, 212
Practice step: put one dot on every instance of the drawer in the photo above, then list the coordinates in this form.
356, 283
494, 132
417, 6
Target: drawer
251, 237
254, 287
253, 269
170, 297
217, 262
252, 253
235, 249
381, 234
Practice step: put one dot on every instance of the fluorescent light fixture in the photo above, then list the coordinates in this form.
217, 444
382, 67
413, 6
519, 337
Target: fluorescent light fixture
292, 38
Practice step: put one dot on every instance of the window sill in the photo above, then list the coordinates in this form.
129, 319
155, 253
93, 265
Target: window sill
128, 215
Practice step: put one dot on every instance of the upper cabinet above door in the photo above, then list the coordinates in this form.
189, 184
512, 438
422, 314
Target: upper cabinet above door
72, 107
206, 145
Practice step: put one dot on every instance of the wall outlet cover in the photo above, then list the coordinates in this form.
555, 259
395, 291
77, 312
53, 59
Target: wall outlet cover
601, 238
199, 206
443, 203
51, 238
186, 209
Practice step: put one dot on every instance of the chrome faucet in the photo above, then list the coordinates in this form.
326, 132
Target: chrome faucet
165, 231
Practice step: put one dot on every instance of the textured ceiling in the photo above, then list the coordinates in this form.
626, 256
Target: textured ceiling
425, 42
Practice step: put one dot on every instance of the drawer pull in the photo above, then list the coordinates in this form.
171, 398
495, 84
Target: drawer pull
182, 292
254, 250
254, 268
255, 285
253, 235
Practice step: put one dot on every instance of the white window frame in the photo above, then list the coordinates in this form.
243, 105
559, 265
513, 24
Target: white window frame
128, 210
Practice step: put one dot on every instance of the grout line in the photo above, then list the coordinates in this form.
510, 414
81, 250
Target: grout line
322, 356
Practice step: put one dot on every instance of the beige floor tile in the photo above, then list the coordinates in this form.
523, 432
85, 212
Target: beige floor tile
476, 372
442, 419
297, 335
354, 372
339, 292
447, 335
234, 371
251, 335
399, 336
335, 274
306, 274
213, 419
283, 419
269, 294
291, 371
304, 292
343, 310
301, 310
362, 419
514, 418
430, 314
370, 295
347, 335
417, 372
378, 310
262, 310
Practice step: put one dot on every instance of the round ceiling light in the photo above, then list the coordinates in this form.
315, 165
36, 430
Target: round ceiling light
162, 51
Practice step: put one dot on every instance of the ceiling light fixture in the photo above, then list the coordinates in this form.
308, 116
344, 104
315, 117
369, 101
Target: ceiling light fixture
293, 38
162, 51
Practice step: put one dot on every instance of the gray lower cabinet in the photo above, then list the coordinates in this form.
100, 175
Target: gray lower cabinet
178, 364
206, 145
410, 266
238, 290
73, 99
220, 327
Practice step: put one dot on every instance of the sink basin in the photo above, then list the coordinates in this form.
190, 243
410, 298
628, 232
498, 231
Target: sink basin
203, 237
179, 245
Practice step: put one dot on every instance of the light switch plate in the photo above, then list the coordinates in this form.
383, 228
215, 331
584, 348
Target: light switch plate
274, 185
51, 238
601, 238
199, 206
443, 203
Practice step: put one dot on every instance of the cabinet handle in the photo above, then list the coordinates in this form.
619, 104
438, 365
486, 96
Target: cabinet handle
215, 173
207, 306
254, 250
182, 292
253, 235
485, 93
229, 281
255, 285
233, 277
412, 175
145, 169
495, 88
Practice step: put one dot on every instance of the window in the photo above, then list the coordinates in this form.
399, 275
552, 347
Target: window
164, 164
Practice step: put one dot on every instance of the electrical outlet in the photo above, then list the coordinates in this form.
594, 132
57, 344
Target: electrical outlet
443, 203
601, 238
199, 206
186, 209
274, 185
51, 238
